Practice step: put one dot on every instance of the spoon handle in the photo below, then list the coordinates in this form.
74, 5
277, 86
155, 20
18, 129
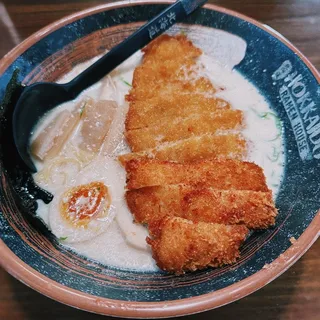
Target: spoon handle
175, 12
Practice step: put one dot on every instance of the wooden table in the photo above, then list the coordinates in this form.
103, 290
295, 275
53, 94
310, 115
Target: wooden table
295, 294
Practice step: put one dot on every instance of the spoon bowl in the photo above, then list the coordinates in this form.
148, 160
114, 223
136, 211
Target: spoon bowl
41, 97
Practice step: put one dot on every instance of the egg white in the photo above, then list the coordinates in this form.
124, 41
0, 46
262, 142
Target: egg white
134, 234
104, 170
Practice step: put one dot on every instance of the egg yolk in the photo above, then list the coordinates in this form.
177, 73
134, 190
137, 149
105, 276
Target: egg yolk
81, 204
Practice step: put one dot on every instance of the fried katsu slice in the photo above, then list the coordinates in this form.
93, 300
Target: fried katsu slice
220, 146
253, 208
153, 203
164, 88
219, 174
163, 72
173, 129
168, 47
166, 106
179, 245
165, 60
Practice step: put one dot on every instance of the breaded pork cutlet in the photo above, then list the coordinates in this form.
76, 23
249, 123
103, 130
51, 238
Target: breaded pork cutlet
153, 203
159, 90
179, 245
150, 74
253, 208
221, 146
167, 59
185, 177
173, 129
168, 69
167, 104
219, 174
167, 47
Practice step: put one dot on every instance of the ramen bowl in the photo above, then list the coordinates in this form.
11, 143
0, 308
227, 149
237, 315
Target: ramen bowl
288, 82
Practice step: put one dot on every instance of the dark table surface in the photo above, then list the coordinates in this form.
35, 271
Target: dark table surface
295, 294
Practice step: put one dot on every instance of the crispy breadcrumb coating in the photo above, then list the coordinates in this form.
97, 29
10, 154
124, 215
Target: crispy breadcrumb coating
172, 101
173, 129
220, 146
219, 174
255, 209
179, 245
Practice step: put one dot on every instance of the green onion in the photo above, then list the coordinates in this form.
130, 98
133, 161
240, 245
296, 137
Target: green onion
82, 109
278, 124
267, 115
275, 155
126, 82
63, 238
277, 136
260, 115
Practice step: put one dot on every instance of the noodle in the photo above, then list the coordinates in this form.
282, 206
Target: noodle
46, 175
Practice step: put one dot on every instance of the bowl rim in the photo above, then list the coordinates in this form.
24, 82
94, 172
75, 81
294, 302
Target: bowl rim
131, 309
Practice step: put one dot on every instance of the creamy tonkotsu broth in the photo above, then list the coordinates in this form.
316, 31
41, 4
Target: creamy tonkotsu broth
114, 239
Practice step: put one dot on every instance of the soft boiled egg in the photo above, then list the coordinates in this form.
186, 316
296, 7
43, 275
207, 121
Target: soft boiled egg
87, 206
